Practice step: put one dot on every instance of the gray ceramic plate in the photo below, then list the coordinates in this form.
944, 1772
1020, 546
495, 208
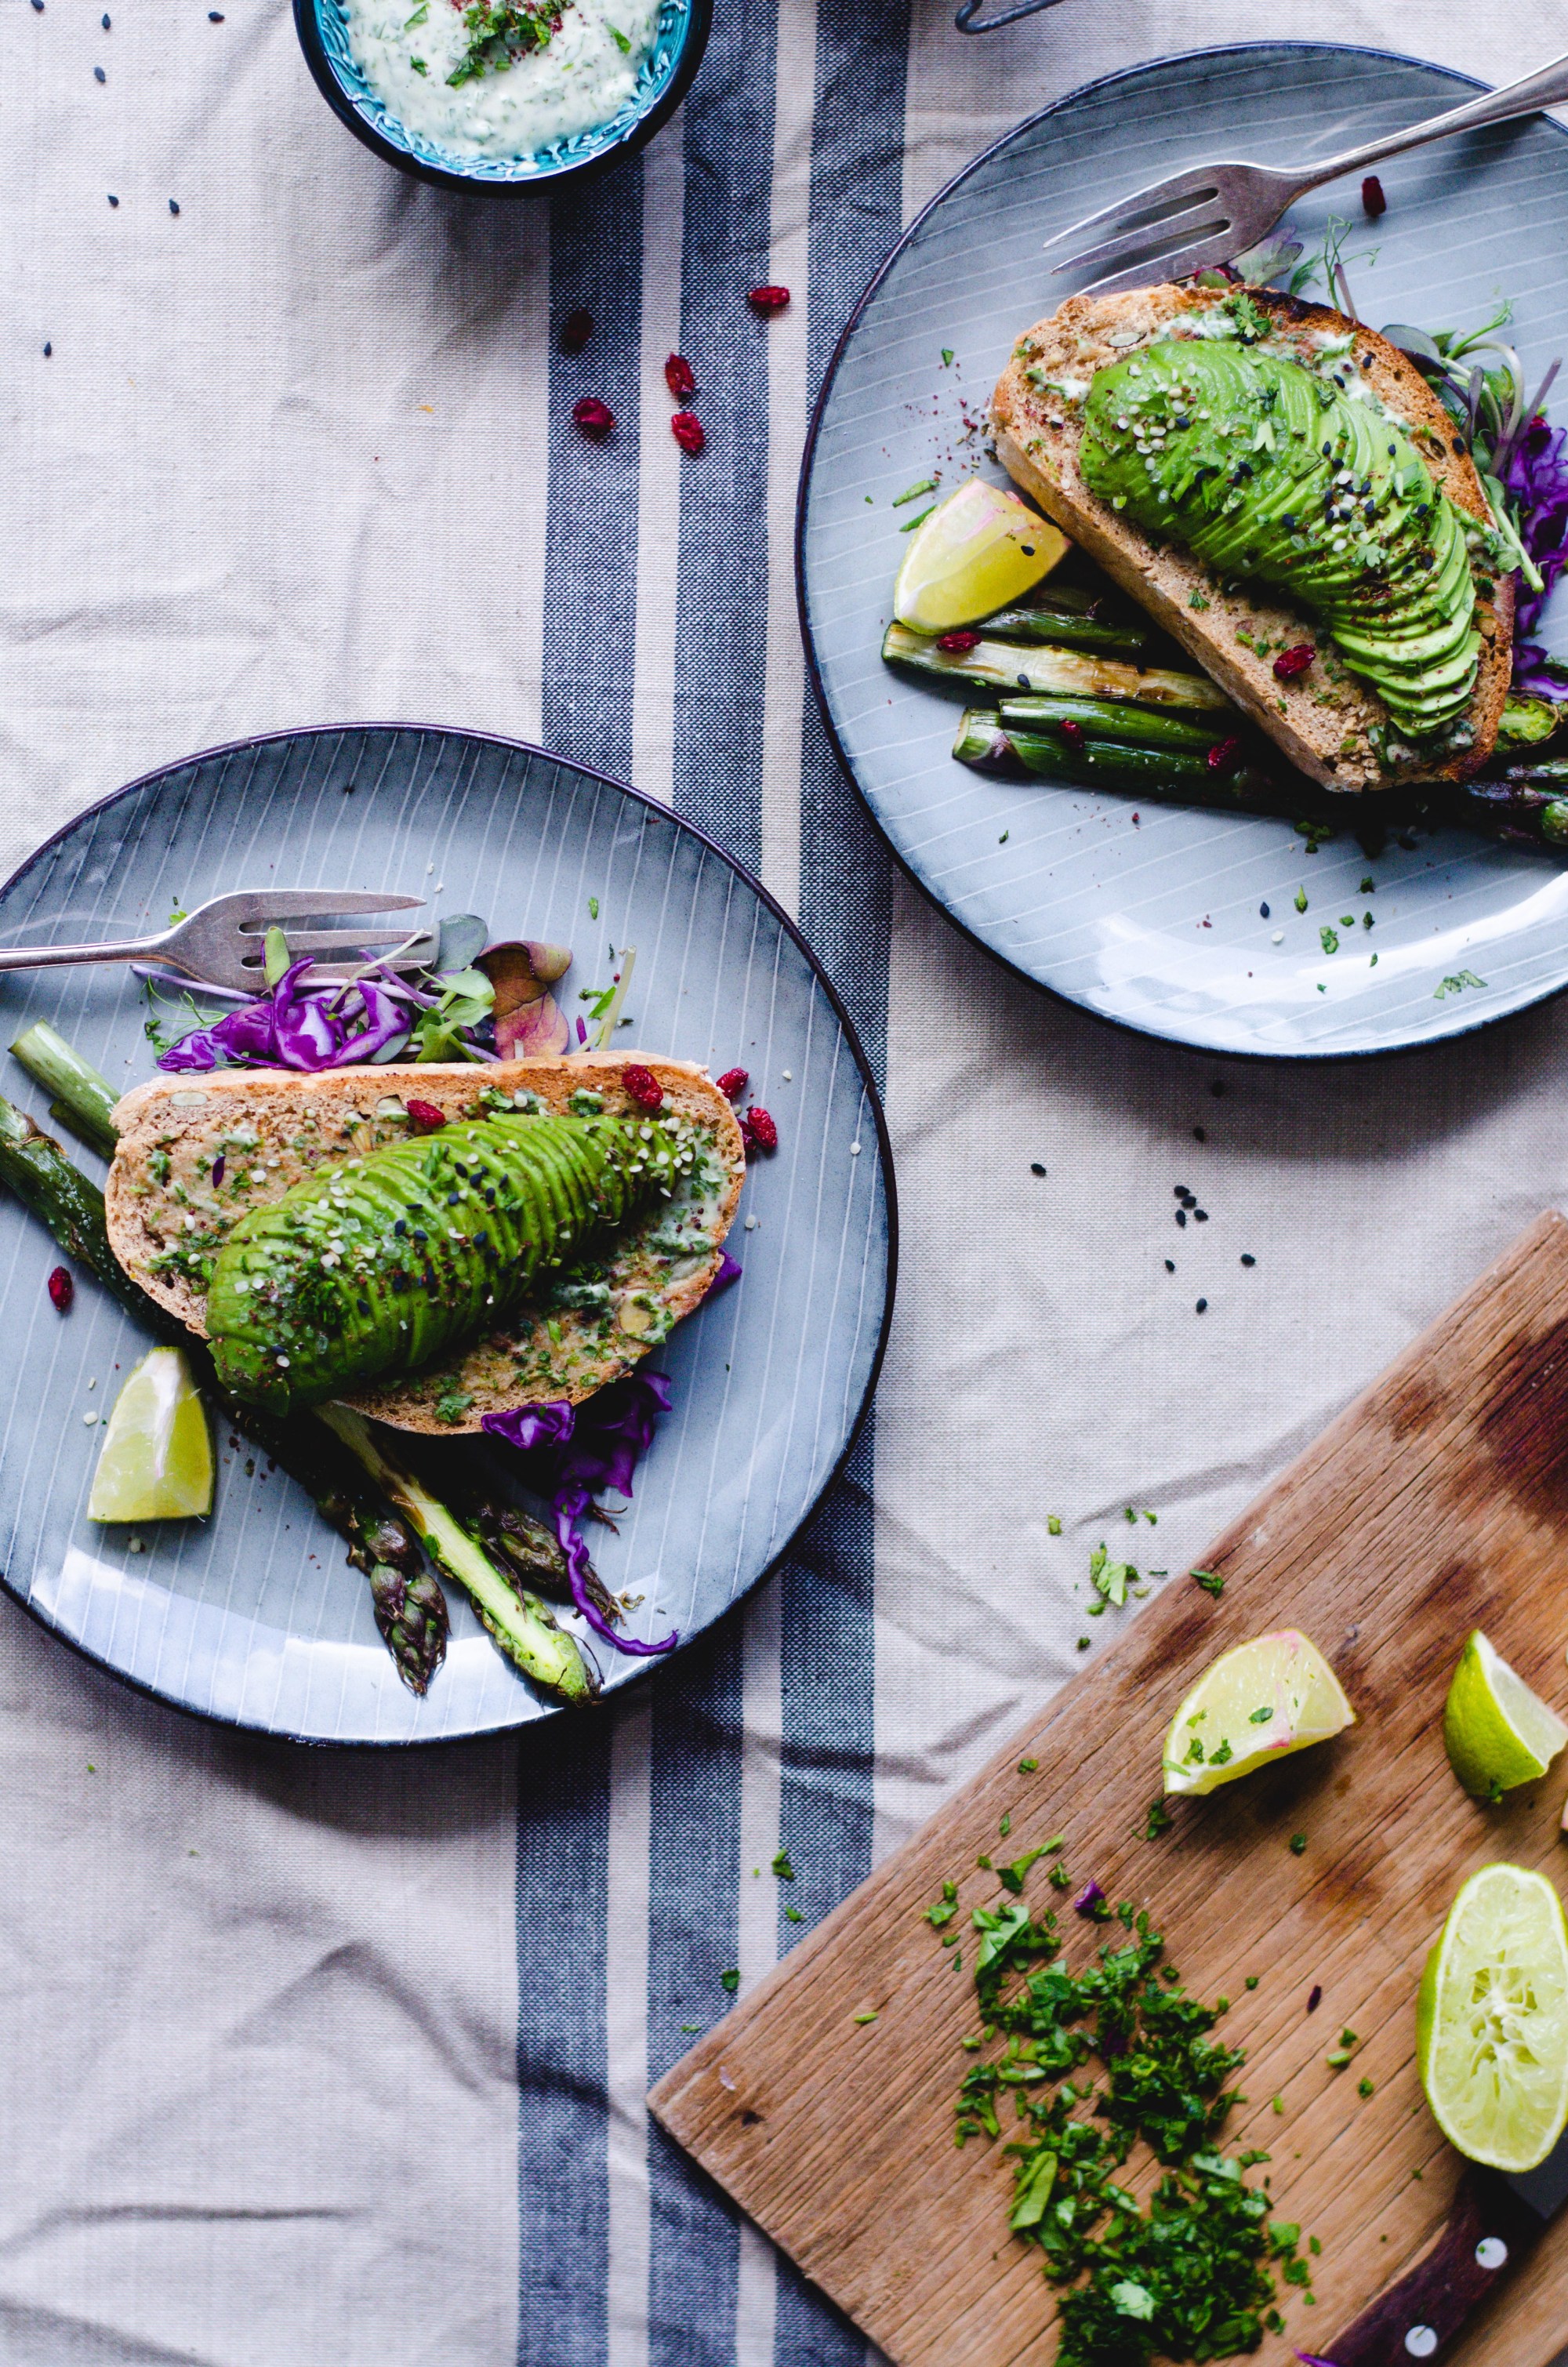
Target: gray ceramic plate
252, 1617
1158, 924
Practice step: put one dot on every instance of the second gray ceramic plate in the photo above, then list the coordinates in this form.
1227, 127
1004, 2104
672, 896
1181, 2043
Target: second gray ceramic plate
1210, 929
252, 1615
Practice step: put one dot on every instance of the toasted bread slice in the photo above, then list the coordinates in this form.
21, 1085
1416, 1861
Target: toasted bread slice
195, 1153
1323, 718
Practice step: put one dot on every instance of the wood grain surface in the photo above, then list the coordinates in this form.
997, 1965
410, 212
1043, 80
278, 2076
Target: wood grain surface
1438, 1502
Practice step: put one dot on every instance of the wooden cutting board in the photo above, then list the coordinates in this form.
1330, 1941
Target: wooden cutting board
1437, 1503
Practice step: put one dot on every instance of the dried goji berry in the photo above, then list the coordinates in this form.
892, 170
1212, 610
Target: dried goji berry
687, 430
643, 1086
1290, 662
955, 644
594, 418
425, 1118
1225, 756
767, 300
734, 1083
62, 1289
575, 330
679, 378
1373, 201
758, 1127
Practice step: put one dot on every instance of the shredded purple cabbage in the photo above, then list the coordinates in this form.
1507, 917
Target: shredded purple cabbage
729, 1272
1537, 479
300, 1028
1089, 1898
575, 1451
1309, 2359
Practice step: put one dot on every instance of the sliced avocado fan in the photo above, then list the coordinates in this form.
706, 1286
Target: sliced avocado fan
371, 1266
1265, 470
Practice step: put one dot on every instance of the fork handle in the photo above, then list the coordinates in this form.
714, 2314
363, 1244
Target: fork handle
54, 956
1543, 88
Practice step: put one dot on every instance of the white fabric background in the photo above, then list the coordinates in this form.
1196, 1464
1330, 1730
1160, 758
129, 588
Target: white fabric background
285, 465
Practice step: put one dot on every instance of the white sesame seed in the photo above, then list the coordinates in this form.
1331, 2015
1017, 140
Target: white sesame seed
89, 1418
1278, 938
854, 1151
750, 1224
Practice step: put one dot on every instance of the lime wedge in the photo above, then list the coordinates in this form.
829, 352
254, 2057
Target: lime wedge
157, 1463
1497, 1732
1492, 2024
980, 549
1258, 1702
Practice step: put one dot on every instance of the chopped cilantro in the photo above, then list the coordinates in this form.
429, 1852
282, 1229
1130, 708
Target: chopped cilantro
1027, 1766
1060, 1877
1005, 1827
620, 40
1298, 1844
1011, 1876
452, 1405
1301, 899
783, 1867
1210, 1582
1159, 1820
947, 356
730, 1980
1110, 1578
865, 2017
1052, 1524
913, 492
1222, 1756
593, 908
946, 1906
1252, 1980
1259, 1716
1188, 2273
793, 1915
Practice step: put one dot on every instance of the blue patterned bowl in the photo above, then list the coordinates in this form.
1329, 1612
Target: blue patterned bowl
665, 78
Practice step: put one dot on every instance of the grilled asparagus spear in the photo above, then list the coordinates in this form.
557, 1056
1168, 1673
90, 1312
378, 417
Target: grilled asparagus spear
1070, 674
83, 1100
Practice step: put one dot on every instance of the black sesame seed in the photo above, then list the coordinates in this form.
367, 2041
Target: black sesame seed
1035, 1168
1203, 1304
214, 17
1181, 1217
174, 207
1247, 1258
1200, 1216
1023, 682
1198, 1135
114, 201
47, 351
1170, 1265
1263, 912
106, 24
98, 74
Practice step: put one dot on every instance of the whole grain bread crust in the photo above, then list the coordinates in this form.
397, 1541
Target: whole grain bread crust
1321, 718
171, 1129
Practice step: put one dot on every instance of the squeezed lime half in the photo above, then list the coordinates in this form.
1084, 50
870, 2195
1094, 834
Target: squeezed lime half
1258, 1701
979, 551
1492, 2024
157, 1463
1496, 1731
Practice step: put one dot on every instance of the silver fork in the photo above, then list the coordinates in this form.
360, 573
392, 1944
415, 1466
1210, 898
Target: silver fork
1215, 213
221, 943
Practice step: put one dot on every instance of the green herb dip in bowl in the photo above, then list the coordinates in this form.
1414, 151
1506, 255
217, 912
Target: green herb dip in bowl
386, 68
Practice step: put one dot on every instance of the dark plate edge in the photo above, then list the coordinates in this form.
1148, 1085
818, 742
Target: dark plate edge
885, 1158
802, 495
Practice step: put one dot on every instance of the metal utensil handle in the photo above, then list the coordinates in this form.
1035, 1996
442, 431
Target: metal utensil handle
54, 956
968, 21
1543, 88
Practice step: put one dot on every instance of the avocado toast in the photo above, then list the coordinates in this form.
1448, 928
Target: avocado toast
427, 1244
1268, 476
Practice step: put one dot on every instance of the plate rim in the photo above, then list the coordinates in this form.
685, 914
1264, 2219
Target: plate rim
1113, 1019
644, 1674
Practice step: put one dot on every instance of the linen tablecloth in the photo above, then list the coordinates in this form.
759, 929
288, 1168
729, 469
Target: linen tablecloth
320, 2058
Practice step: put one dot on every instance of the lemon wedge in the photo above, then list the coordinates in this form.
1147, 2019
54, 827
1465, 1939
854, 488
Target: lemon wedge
1257, 1703
157, 1463
979, 551
1497, 1733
